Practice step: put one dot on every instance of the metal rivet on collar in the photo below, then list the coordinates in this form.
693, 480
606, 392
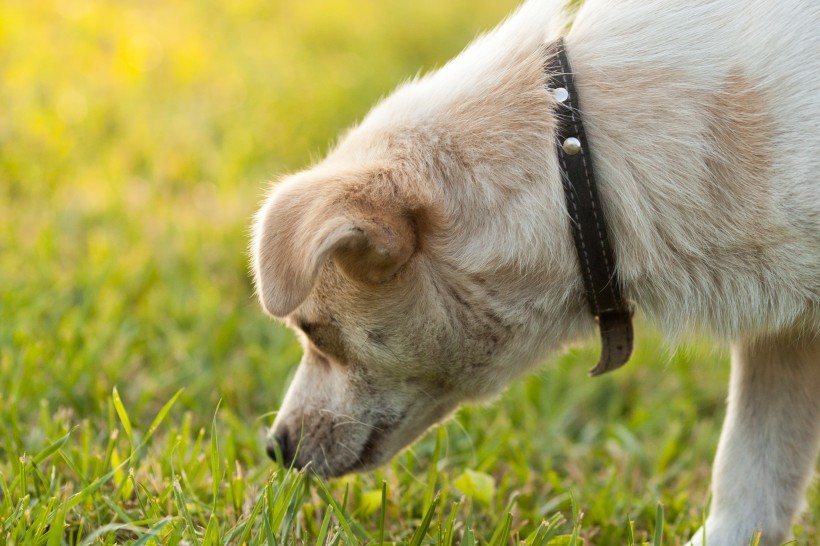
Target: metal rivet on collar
560, 94
571, 145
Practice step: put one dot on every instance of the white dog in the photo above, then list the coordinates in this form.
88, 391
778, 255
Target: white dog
429, 260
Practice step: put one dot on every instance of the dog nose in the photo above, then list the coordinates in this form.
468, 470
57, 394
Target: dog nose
281, 439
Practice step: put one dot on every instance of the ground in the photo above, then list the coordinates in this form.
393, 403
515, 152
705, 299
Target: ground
137, 372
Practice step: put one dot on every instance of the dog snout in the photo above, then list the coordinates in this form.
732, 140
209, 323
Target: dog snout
286, 446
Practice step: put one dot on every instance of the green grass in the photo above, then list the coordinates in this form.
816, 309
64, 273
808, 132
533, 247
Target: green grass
137, 373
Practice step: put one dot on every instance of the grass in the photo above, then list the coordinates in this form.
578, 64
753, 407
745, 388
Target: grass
137, 373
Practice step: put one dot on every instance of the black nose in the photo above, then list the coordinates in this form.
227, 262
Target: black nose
281, 439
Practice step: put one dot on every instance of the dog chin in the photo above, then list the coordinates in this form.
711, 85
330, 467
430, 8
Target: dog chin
357, 467
367, 460
370, 457
383, 445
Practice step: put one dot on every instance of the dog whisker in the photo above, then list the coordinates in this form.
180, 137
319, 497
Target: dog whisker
358, 455
349, 420
356, 422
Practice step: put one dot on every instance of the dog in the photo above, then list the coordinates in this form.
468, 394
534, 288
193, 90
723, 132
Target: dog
428, 260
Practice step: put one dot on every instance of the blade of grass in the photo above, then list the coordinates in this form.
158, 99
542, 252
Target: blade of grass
468, 539
123, 415
576, 523
292, 509
212, 532
326, 496
51, 448
248, 525
40, 523
536, 537
182, 506
383, 516
657, 540
5, 501
502, 531
81, 495
553, 526
284, 498
55, 533
215, 477
23, 474
17, 514
449, 530
161, 416
418, 536
271, 540
432, 474
111, 528
320, 538
153, 531
630, 532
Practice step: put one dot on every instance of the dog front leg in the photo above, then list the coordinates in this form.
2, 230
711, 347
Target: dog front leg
769, 441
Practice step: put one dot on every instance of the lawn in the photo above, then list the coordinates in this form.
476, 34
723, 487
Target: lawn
137, 372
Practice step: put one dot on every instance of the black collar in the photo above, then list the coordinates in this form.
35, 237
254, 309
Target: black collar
589, 229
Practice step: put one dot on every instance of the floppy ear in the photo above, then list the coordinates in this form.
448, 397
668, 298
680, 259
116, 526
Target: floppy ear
306, 222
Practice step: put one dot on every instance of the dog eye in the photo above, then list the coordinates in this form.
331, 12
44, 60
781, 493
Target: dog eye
325, 337
307, 327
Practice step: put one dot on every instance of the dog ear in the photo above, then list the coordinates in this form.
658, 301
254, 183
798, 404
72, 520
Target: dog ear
307, 222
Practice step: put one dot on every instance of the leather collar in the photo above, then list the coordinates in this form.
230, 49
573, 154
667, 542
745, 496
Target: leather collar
589, 228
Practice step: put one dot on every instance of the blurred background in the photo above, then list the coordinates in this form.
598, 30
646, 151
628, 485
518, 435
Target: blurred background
137, 139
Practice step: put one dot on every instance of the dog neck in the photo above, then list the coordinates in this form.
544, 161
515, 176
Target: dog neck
661, 126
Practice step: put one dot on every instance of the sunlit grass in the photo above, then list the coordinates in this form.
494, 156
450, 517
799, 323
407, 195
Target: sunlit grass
136, 140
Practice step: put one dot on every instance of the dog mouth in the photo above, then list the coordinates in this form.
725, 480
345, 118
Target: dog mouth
373, 452
369, 456
384, 436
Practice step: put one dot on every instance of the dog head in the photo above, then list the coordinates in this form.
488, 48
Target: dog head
425, 262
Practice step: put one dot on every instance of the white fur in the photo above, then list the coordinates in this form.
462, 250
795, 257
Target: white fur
704, 122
